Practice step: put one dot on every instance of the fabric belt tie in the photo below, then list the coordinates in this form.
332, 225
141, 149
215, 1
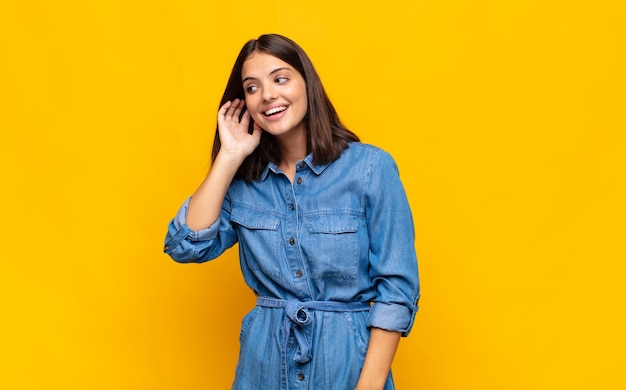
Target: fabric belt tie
297, 316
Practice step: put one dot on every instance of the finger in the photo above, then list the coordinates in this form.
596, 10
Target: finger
238, 107
222, 111
231, 109
245, 118
256, 132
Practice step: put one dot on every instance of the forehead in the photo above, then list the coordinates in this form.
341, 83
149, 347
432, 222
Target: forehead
261, 64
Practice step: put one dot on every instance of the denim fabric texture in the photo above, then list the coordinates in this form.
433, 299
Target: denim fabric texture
341, 233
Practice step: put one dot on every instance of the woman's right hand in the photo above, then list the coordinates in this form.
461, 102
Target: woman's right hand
206, 203
234, 137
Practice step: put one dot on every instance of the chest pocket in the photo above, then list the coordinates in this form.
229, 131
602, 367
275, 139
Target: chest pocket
333, 248
258, 240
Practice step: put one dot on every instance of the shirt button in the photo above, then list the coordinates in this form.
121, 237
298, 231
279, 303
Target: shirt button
291, 241
301, 376
299, 181
167, 248
301, 164
298, 274
292, 207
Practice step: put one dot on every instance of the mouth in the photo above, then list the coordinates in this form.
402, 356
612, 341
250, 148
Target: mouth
274, 110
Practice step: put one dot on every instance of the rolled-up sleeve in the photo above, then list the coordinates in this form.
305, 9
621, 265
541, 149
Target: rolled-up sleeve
185, 245
393, 260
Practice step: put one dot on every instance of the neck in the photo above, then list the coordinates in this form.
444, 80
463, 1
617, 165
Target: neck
293, 149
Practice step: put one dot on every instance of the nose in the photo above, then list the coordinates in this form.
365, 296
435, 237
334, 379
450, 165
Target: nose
269, 93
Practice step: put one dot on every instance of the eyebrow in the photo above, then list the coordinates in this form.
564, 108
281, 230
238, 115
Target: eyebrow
269, 74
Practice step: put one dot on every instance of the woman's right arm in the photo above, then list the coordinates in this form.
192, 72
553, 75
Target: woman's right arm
194, 235
236, 144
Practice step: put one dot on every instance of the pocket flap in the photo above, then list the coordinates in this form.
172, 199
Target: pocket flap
333, 224
254, 219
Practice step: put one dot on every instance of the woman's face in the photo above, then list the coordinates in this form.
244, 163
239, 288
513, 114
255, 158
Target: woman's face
275, 94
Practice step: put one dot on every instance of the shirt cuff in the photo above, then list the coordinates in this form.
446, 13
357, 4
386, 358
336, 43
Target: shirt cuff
396, 318
184, 232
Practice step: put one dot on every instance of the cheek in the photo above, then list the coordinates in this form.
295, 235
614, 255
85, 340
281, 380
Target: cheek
250, 104
304, 103
257, 117
303, 97
248, 101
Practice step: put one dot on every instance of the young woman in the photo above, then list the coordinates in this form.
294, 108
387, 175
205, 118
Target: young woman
325, 233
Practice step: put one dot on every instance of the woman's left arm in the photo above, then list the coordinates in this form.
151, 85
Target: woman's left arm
380, 352
392, 268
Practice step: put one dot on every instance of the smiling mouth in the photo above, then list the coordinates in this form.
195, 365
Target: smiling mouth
275, 110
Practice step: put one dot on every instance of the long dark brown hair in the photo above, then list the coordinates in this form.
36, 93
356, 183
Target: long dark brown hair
327, 137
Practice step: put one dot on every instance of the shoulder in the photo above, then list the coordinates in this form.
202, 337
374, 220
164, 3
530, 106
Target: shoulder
368, 156
359, 149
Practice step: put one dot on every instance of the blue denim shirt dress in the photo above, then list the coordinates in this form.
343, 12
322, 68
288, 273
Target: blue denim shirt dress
328, 256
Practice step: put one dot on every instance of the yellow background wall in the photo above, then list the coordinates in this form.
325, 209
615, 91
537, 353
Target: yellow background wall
505, 117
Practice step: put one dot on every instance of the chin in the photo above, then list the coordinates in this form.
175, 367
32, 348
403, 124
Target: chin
273, 128
273, 131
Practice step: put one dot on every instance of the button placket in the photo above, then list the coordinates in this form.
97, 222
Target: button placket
301, 376
296, 262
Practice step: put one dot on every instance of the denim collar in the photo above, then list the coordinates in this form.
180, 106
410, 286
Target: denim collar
308, 160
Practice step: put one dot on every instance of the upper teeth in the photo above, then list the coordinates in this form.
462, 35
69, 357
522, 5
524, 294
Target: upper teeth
275, 110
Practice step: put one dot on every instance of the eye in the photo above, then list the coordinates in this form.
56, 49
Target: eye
251, 88
281, 79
